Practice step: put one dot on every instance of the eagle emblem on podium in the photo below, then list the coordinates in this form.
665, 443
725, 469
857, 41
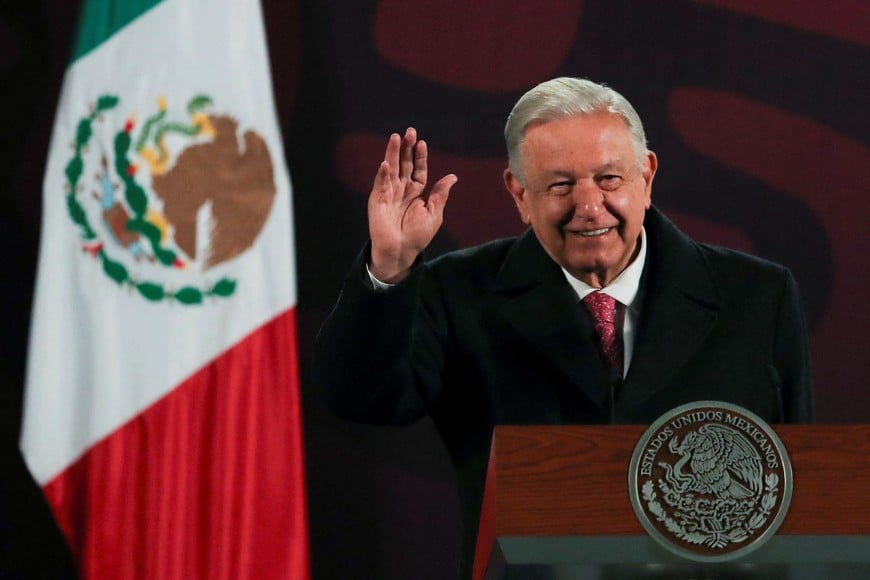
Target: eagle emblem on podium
710, 481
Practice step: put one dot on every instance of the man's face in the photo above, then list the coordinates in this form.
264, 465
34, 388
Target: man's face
585, 193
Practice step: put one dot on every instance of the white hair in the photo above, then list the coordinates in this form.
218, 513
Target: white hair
564, 97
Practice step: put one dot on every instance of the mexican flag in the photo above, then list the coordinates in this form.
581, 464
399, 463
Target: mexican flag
162, 413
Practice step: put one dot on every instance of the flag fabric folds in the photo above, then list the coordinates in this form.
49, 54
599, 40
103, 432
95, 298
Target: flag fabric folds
162, 412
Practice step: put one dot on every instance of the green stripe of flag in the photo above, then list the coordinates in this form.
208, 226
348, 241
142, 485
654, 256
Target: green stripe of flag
100, 19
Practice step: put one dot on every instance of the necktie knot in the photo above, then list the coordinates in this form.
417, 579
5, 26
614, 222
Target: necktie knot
602, 307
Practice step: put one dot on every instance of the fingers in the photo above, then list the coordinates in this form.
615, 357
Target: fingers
421, 163
407, 160
406, 154
382, 179
391, 155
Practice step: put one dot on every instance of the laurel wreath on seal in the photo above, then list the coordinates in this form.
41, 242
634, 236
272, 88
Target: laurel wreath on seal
717, 539
137, 200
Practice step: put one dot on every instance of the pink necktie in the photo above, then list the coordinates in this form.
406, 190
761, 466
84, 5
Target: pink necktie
603, 310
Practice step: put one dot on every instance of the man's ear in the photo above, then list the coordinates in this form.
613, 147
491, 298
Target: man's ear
650, 165
518, 192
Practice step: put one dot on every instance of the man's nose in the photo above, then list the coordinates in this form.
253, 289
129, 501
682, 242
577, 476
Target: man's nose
588, 200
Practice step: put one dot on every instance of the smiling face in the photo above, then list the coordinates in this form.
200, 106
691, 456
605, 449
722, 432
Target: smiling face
585, 193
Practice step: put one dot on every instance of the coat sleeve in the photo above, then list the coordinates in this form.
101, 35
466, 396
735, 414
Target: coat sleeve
792, 358
377, 356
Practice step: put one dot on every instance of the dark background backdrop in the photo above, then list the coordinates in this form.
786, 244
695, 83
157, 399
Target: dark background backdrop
758, 110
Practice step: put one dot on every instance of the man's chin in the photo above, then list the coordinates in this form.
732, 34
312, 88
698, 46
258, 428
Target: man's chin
596, 272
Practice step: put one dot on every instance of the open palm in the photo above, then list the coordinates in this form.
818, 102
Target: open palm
403, 219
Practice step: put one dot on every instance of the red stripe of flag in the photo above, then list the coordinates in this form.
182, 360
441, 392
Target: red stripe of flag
208, 482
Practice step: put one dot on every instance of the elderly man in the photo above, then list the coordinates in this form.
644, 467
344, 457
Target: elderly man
602, 312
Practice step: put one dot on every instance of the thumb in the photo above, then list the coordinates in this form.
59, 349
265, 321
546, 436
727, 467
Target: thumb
440, 192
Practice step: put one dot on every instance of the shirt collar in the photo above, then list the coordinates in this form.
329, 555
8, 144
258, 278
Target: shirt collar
625, 287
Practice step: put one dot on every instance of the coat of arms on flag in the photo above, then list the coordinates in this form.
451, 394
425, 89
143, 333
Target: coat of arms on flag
186, 192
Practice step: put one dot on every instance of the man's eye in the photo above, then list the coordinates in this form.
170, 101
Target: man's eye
560, 188
610, 182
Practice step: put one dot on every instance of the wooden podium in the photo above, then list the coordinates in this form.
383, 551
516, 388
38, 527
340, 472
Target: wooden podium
557, 505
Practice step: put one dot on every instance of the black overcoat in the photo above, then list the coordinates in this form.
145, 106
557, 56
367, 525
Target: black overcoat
495, 335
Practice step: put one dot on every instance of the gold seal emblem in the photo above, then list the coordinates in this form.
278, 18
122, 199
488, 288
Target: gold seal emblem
710, 481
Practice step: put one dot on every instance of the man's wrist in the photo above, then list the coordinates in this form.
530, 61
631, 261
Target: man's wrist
377, 284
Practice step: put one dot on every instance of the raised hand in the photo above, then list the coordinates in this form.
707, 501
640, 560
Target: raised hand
403, 219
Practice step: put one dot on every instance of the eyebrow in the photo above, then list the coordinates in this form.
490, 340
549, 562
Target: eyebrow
615, 164
559, 173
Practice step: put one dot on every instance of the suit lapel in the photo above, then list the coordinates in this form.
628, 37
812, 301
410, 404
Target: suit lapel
542, 308
680, 307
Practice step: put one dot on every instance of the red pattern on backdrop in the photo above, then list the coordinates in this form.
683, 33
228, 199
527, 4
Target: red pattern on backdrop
486, 45
478, 211
845, 19
823, 168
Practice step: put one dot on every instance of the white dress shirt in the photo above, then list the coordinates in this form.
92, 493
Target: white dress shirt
626, 290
